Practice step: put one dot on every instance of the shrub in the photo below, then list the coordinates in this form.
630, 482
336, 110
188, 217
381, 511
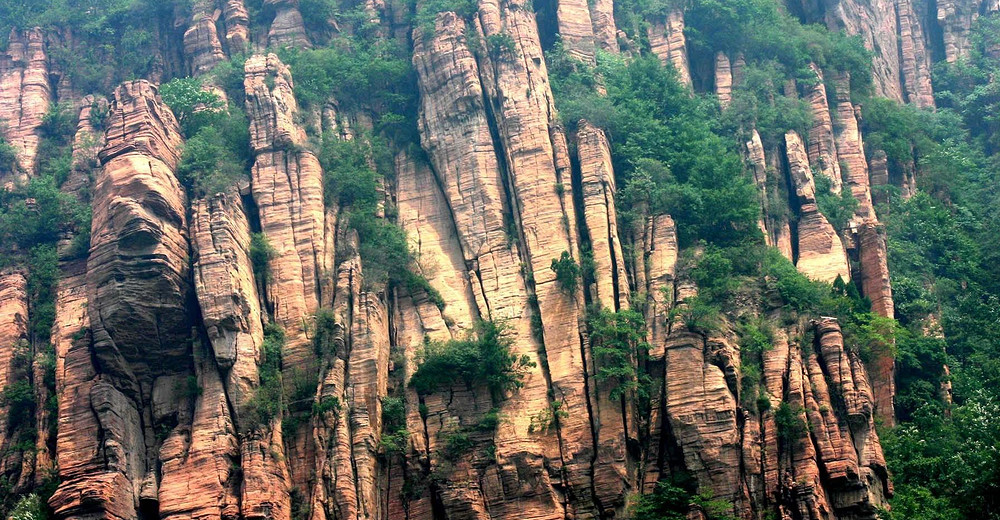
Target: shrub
501, 46
394, 433
261, 254
8, 157
186, 97
789, 422
838, 209
567, 272
207, 165
482, 359
267, 402
671, 501
618, 343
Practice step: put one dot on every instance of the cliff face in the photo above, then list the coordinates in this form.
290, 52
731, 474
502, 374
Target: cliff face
197, 377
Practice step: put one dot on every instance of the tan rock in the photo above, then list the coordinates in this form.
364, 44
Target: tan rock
876, 23
287, 185
202, 47
25, 96
723, 80
821, 254
667, 42
602, 17
576, 31
822, 146
237, 25
287, 28
875, 285
850, 148
915, 62
15, 364
598, 186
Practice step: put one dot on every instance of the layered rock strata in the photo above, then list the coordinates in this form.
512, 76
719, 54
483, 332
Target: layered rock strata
25, 96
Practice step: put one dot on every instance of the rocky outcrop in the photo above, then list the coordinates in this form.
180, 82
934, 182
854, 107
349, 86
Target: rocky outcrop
287, 28
25, 96
136, 316
723, 80
15, 362
850, 148
598, 192
822, 147
587, 26
874, 271
667, 42
875, 22
915, 61
821, 255
237, 25
202, 46
287, 185
955, 17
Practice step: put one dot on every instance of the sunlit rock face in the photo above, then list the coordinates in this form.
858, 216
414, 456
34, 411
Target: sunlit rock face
138, 266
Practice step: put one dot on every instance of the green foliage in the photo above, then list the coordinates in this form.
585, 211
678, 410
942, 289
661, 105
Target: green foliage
427, 12
207, 165
789, 422
372, 74
324, 332
393, 413
619, 347
217, 151
548, 418
267, 403
838, 209
18, 398
482, 359
8, 157
670, 501
501, 46
113, 40
567, 272
663, 146
261, 254
29, 507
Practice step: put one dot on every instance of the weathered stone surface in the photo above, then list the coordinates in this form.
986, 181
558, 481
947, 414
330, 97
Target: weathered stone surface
287, 185
850, 148
822, 146
667, 41
202, 47
138, 266
225, 286
875, 285
287, 28
602, 17
424, 214
237, 25
915, 61
15, 362
25, 95
723, 80
598, 192
576, 29
821, 254
875, 21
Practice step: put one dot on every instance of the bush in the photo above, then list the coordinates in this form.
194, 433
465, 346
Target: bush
789, 422
671, 501
207, 165
619, 346
394, 434
838, 209
261, 254
567, 272
483, 359
187, 98
267, 402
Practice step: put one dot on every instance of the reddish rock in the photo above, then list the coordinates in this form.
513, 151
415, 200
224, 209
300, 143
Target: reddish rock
25, 96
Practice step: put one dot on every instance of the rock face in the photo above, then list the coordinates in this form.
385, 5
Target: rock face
162, 360
667, 41
821, 255
202, 46
25, 95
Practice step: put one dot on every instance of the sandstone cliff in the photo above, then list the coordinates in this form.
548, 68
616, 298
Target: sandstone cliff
194, 380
